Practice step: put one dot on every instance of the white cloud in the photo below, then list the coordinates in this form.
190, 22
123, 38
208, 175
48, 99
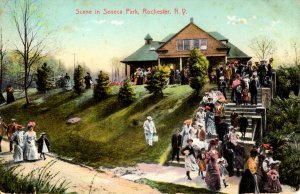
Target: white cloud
254, 17
275, 22
235, 20
117, 22
99, 21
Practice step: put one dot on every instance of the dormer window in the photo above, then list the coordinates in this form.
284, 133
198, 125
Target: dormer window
190, 44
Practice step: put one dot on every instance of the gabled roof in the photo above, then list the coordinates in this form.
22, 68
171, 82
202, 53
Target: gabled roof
171, 36
145, 53
235, 52
217, 35
167, 38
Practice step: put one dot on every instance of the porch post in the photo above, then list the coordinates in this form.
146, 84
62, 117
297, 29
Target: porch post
180, 64
158, 61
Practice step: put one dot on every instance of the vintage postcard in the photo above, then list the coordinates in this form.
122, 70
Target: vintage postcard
149, 96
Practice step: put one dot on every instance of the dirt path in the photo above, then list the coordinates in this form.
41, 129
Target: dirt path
176, 175
80, 178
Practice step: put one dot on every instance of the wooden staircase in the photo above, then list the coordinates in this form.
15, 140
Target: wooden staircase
250, 112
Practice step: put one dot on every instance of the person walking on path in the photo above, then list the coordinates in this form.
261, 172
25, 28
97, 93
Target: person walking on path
149, 130
3, 126
176, 144
210, 126
190, 161
18, 139
201, 162
11, 128
273, 184
243, 125
212, 178
31, 153
43, 145
223, 172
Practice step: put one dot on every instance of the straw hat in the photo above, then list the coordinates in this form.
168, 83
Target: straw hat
149, 118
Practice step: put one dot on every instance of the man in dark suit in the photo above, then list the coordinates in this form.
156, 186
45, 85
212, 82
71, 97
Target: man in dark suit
176, 144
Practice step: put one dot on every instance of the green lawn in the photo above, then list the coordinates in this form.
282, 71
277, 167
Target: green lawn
172, 188
109, 134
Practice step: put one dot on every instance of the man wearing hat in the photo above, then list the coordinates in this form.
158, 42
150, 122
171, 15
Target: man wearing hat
11, 128
176, 144
149, 130
2, 127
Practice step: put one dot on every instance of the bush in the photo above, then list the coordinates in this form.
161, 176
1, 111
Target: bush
78, 80
42, 78
284, 134
288, 79
126, 93
103, 88
158, 79
198, 66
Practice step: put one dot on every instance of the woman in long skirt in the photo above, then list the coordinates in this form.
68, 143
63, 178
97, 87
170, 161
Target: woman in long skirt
273, 184
190, 161
210, 126
31, 152
212, 178
18, 139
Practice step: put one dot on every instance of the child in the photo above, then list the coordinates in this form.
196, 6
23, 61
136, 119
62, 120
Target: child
245, 96
223, 172
201, 162
43, 145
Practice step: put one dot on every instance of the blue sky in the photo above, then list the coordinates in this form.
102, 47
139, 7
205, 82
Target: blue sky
96, 38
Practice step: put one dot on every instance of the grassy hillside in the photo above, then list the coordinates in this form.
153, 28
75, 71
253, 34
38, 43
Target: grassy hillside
108, 134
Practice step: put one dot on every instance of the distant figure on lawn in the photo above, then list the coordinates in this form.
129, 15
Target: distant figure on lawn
67, 82
149, 130
31, 152
3, 126
88, 81
43, 145
10, 94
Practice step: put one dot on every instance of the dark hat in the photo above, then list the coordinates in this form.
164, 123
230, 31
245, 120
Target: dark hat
212, 142
189, 140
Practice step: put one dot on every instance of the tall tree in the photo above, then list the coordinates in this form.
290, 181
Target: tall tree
2, 55
30, 28
42, 78
78, 80
102, 88
263, 47
296, 45
158, 79
198, 67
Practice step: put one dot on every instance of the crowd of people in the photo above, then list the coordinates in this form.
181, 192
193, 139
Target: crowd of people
214, 149
244, 79
23, 141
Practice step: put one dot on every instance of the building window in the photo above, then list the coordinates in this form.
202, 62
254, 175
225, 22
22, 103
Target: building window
190, 44
203, 45
186, 45
179, 45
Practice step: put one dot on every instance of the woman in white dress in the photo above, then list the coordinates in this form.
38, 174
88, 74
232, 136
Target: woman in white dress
31, 152
18, 139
